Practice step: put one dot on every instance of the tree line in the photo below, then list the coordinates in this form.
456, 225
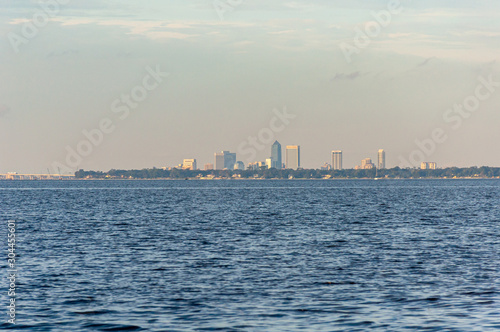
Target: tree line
273, 173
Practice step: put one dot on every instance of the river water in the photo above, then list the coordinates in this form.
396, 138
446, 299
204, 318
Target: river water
252, 255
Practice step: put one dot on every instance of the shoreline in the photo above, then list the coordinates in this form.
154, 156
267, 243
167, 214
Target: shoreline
255, 179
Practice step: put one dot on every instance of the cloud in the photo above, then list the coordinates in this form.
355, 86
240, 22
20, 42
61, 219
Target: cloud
426, 61
158, 29
63, 53
244, 43
477, 33
399, 35
150, 29
17, 21
281, 32
343, 76
302, 6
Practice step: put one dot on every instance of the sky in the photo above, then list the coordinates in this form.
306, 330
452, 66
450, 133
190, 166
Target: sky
419, 79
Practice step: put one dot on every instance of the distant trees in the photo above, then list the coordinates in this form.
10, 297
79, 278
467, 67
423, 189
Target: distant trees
273, 173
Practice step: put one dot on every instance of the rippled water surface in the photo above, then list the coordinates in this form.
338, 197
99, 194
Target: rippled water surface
255, 255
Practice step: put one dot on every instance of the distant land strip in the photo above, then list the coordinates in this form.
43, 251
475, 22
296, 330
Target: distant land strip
393, 173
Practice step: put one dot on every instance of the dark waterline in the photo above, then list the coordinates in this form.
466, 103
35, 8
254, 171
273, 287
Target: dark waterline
391, 255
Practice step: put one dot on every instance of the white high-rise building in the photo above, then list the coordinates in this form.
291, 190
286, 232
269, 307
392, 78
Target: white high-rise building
381, 159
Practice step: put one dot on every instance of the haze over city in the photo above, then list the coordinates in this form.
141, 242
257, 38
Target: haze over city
216, 75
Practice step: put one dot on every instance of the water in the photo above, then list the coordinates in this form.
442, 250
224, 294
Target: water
255, 255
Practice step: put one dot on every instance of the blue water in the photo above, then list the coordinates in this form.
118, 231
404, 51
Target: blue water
391, 255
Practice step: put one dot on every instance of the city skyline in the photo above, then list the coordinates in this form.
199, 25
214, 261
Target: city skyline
228, 160
151, 84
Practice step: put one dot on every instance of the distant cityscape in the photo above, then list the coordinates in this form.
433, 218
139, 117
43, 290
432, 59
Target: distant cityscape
289, 167
226, 160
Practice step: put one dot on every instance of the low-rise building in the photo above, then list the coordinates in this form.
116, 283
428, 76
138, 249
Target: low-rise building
239, 165
189, 164
366, 164
428, 165
326, 167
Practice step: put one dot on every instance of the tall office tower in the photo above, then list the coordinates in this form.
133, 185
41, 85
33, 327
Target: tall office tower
381, 159
229, 159
292, 156
337, 159
225, 159
189, 164
276, 155
219, 160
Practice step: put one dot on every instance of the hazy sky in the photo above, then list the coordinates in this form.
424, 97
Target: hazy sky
231, 65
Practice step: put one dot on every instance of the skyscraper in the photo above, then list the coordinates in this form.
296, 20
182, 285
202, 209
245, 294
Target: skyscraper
292, 156
337, 159
225, 159
381, 159
276, 155
229, 159
219, 160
